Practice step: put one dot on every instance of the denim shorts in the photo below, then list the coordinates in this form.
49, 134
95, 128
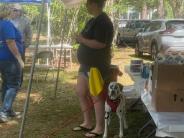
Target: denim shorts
10, 73
84, 70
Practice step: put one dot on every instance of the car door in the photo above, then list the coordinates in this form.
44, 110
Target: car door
127, 30
149, 35
132, 31
141, 37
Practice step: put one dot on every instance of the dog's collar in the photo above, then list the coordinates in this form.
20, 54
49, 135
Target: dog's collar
116, 100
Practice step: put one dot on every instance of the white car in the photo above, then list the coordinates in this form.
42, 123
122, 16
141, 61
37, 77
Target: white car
160, 34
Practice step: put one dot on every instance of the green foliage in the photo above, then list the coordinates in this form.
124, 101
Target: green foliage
57, 13
83, 17
32, 11
168, 10
75, 46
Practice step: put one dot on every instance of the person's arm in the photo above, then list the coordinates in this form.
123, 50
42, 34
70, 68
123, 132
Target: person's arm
92, 43
9, 34
103, 34
14, 50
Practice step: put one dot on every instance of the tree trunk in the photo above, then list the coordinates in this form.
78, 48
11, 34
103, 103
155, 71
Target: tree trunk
144, 13
177, 8
161, 9
114, 16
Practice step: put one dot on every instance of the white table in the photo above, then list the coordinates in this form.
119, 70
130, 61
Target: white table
65, 49
54, 48
138, 82
169, 124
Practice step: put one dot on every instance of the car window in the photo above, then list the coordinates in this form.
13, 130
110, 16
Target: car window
130, 24
122, 23
153, 26
137, 24
147, 27
144, 24
175, 24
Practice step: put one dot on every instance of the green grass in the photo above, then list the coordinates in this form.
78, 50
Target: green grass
48, 117
56, 117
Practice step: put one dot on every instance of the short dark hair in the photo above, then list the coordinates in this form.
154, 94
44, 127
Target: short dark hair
100, 3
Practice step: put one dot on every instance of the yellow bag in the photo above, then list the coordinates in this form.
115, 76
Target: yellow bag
96, 82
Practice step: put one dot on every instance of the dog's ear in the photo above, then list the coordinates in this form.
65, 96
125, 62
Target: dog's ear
120, 86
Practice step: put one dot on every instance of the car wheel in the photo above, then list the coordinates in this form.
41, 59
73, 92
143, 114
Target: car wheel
154, 51
138, 53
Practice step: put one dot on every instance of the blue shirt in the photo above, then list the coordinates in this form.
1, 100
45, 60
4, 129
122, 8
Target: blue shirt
8, 31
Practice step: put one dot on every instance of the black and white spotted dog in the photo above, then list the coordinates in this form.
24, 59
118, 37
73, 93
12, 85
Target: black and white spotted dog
115, 102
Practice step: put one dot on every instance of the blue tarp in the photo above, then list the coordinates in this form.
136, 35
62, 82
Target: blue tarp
23, 1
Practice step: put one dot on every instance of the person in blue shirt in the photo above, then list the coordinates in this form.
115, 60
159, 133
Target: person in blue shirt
11, 63
22, 23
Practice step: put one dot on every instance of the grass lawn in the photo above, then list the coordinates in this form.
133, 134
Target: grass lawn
50, 117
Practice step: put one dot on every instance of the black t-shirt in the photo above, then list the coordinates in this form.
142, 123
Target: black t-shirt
100, 29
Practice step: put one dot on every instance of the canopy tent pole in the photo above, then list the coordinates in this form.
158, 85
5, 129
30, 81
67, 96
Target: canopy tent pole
49, 25
60, 54
26, 106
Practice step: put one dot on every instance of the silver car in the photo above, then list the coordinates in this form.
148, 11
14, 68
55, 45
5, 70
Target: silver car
160, 34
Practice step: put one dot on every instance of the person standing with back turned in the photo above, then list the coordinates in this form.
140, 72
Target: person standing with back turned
11, 63
22, 23
94, 51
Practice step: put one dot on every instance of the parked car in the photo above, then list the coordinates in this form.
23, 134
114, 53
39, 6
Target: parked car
160, 34
122, 23
128, 33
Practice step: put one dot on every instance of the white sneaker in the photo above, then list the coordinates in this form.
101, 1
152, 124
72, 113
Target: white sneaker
3, 117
